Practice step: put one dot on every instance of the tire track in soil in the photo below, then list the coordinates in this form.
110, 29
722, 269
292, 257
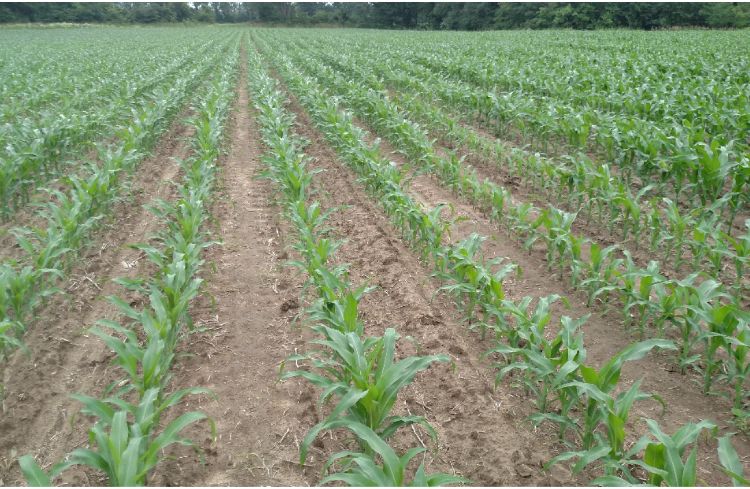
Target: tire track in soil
479, 431
605, 333
247, 308
38, 416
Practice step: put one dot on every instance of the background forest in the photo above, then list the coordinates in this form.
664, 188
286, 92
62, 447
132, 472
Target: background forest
448, 16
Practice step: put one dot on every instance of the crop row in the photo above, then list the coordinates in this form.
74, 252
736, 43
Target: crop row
702, 88
34, 149
670, 151
700, 170
358, 370
129, 435
591, 190
582, 393
76, 73
706, 318
707, 182
71, 217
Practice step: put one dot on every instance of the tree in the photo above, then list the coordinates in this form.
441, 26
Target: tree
391, 15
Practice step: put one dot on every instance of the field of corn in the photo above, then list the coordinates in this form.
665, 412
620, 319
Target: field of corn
245, 256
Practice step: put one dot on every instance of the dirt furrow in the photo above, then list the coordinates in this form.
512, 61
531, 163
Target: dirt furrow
480, 435
246, 311
604, 331
38, 416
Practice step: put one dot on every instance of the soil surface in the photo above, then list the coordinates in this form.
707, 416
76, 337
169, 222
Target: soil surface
247, 323
247, 309
38, 415
604, 332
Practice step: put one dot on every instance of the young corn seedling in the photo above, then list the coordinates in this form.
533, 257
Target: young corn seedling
601, 271
528, 325
667, 298
731, 463
518, 223
678, 226
653, 221
640, 296
10, 331
711, 172
601, 408
379, 465
663, 457
22, 290
722, 321
695, 301
316, 252
366, 378
612, 414
127, 447
558, 225
147, 365
546, 365
338, 304
474, 285
47, 247
740, 255
736, 343
632, 214
434, 229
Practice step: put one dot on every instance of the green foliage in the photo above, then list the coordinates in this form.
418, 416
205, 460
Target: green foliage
365, 376
128, 440
360, 371
364, 470
389, 15
73, 212
572, 394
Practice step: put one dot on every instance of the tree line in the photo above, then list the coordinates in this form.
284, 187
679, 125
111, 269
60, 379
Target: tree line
391, 15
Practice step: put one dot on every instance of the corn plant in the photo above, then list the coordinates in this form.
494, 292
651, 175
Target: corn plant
601, 271
474, 285
731, 463
724, 332
9, 333
41, 141
636, 146
678, 226
127, 439
663, 457
547, 365
126, 451
387, 470
613, 193
610, 450
651, 303
695, 300
360, 371
740, 255
72, 215
338, 304
601, 408
365, 377
640, 297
